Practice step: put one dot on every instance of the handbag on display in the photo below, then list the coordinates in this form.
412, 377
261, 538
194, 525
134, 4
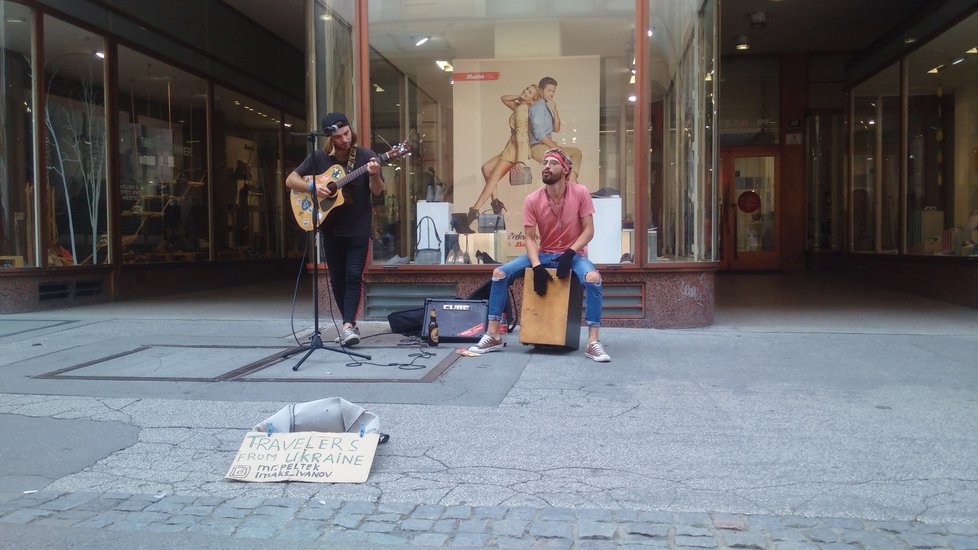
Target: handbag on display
489, 223
520, 177
431, 253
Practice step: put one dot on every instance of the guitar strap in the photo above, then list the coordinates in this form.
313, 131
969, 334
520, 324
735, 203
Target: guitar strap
349, 168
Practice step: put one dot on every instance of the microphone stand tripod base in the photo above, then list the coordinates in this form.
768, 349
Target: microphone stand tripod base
316, 342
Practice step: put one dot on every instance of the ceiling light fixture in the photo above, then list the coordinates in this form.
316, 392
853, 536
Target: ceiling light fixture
632, 98
444, 65
909, 39
957, 60
936, 69
743, 42
100, 54
972, 50
420, 40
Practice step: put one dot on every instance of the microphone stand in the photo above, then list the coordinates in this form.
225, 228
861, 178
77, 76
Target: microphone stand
316, 340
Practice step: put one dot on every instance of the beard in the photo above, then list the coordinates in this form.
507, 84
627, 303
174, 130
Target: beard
550, 178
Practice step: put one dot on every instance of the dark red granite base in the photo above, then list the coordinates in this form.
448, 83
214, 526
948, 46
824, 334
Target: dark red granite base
672, 299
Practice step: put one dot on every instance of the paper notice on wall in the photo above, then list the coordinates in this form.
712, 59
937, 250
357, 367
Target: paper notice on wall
316, 457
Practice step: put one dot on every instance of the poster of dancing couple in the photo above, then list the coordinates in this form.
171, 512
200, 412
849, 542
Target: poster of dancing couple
507, 114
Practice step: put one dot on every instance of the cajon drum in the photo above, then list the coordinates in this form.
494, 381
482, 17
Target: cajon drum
553, 319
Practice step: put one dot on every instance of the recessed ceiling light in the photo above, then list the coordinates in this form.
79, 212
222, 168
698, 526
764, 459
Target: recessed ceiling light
16, 20
421, 40
444, 65
972, 50
743, 42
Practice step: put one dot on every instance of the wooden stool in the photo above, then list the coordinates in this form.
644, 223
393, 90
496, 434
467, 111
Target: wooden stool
553, 319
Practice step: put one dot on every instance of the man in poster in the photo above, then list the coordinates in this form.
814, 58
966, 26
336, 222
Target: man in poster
558, 222
544, 122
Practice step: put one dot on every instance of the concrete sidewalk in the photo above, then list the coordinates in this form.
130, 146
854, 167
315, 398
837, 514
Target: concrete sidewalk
813, 414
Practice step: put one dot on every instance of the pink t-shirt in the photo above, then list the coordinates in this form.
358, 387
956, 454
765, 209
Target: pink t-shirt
558, 226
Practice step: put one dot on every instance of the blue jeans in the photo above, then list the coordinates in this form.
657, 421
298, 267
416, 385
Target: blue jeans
514, 269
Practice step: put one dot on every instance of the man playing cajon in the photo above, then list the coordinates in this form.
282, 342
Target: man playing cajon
558, 220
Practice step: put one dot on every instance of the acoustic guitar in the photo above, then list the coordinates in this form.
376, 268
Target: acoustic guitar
335, 177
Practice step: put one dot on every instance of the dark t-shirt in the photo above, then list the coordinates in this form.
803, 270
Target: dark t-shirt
353, 217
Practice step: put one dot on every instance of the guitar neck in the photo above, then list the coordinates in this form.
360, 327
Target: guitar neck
359, 171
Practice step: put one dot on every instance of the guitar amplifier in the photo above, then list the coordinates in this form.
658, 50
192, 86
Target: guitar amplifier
458, 320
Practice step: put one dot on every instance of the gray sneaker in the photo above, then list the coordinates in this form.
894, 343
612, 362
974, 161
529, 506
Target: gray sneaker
350, 336
595, 351
487, 344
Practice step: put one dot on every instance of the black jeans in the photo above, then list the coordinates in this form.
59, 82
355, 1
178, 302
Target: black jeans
346, 258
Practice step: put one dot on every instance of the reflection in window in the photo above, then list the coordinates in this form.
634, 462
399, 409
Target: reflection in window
297, 147
162, 161
683, 143
17, 196
942, 144
74, 113
487, 93
875, 167
247, 180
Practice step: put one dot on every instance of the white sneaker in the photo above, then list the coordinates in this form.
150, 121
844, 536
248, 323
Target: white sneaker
350, 336
487, 344
595, 351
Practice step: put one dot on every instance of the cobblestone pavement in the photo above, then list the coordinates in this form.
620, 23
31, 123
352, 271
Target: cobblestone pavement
352, 524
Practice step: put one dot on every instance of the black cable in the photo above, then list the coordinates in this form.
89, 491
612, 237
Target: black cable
295, 293
414, 341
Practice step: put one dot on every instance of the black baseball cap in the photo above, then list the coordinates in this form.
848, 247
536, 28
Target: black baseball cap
333, 119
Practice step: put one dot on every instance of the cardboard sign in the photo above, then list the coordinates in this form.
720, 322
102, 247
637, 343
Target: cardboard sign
316, 457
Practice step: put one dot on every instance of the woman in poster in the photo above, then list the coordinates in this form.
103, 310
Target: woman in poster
513, 156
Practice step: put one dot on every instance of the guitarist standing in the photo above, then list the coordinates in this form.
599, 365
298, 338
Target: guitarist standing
346, 230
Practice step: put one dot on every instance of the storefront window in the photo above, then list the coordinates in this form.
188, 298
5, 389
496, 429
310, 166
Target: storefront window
942, 144
162, 161
18, 236
681, 67
825, 169
334, 85
246, 178
459, 78
874, 198
74, 114
393, 106
296, 148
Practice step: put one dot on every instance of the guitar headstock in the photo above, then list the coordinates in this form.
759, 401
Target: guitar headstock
397, 151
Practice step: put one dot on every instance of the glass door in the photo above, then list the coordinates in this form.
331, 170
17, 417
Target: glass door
752, 196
